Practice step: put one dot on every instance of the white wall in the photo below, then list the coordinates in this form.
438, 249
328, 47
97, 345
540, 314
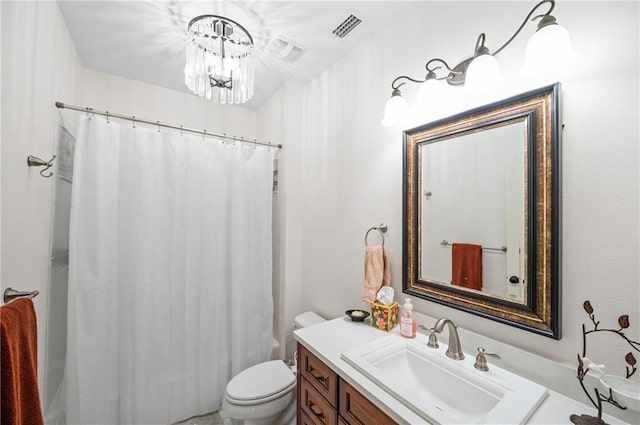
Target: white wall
351, 169
39, 66
129, 97
280, 121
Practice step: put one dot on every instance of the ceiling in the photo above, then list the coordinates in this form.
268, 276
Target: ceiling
145, 40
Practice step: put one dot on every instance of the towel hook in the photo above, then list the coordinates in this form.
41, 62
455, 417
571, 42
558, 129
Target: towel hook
381, 228
34, 161
11, 294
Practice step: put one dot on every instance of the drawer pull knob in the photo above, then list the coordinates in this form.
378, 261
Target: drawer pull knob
316, 411
317, 376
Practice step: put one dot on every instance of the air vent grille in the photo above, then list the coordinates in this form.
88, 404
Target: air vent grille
347, 25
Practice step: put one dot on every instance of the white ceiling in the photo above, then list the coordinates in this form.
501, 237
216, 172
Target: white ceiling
144, 40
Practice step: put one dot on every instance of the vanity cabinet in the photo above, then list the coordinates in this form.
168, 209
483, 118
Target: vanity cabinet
325, 399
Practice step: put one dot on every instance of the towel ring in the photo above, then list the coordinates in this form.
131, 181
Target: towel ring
382, 229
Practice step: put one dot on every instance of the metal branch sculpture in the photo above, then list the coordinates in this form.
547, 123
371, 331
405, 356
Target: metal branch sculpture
584, 364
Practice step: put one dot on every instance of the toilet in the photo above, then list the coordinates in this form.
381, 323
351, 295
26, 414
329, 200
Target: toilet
265, 394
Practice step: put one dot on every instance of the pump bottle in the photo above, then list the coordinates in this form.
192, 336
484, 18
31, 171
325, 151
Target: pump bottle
407, 321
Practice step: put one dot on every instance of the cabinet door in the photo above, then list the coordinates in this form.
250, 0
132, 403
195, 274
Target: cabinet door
315, 406
357, 410
318, 374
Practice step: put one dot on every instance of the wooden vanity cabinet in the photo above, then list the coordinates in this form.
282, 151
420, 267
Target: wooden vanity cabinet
357, 410
325, 399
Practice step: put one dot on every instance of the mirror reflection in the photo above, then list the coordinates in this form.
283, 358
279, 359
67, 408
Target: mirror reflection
481, 211
473, 190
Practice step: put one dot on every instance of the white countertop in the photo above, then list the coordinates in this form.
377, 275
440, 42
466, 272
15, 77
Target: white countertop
330, 339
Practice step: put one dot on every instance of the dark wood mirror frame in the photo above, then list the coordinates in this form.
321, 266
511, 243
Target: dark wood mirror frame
541, 311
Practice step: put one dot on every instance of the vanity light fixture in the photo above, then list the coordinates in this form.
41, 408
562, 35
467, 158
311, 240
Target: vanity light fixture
219, 53
546, 48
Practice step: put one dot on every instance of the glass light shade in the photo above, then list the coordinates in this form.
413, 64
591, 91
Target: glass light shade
548, 48
219, 54
395, 112
483, 73
431, 95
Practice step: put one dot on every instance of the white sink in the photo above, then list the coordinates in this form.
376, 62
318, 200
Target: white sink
442, 390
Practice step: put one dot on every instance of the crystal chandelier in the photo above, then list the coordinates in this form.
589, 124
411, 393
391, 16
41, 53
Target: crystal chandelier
219, 65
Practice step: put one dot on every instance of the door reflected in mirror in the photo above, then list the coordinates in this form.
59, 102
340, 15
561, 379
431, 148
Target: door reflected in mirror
473, 188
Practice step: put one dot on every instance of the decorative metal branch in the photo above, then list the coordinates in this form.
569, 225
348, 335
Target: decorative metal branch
583, 369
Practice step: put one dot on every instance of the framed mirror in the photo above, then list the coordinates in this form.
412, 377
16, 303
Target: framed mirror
482, 211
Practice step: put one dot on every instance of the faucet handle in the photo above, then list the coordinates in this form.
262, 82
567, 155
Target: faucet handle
433, 340
481, 359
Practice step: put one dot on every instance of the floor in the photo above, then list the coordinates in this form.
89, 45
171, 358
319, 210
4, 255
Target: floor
211, 419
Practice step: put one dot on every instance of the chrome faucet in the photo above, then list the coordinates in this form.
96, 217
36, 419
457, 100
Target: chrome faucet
454, 350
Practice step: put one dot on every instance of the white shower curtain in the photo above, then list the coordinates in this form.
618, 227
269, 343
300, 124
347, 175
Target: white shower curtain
169, 272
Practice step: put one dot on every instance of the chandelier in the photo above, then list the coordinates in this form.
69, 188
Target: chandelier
218, 66
547, 48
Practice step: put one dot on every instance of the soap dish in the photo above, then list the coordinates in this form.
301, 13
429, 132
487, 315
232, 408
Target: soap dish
625, 391
357, 315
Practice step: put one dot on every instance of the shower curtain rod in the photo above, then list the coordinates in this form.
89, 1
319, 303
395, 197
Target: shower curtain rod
133, 118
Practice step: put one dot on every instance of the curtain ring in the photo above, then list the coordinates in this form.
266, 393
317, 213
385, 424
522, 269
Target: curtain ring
158, 122
204, 134
180, 130
133, 119
255, 144
108, 117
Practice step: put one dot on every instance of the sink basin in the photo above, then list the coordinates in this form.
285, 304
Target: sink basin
442, 390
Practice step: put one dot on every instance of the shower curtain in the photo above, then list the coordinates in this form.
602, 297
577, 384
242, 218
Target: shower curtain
169, 272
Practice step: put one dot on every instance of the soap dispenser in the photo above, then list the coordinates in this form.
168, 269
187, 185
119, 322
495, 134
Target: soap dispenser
407, 322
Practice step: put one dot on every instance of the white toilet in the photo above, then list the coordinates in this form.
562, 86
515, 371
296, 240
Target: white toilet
265, 394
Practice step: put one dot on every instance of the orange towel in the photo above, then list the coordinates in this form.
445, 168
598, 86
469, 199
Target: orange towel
19, 356
376, 272
466, 262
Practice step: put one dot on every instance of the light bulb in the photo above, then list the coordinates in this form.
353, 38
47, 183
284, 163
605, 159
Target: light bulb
395, 111
430, 95
436, 99
483, 73
548, 48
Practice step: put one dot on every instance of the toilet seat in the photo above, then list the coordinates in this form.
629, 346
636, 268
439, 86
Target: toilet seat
261, 383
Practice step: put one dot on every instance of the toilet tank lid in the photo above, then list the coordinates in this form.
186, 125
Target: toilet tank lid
260, 381
307, 319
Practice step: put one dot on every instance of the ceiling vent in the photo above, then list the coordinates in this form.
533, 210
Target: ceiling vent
285, 49
347, 25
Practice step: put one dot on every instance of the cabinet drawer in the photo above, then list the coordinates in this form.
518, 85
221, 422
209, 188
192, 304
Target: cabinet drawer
306, 420
357, 410
318, 410
319, 375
